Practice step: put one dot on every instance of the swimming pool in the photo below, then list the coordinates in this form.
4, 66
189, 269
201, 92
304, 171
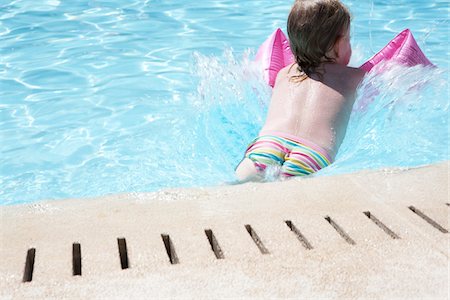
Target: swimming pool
102, 97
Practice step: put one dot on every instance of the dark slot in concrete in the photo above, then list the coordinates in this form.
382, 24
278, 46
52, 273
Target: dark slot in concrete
428, 219
381, 225
29, 265
170, 249
299, 235
123, 253
76, 259
214, 244
342, 233
256, 239
448, 204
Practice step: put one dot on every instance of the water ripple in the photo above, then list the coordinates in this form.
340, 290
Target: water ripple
102, 97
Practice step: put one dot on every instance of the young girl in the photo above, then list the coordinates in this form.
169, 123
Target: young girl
312, 98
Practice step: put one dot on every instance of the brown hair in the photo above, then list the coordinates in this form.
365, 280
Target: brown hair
313, 27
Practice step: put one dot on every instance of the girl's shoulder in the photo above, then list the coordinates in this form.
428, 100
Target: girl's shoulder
355, 75
290, 69
352, 76
287, 72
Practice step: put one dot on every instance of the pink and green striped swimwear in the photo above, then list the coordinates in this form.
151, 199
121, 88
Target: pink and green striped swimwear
295, 156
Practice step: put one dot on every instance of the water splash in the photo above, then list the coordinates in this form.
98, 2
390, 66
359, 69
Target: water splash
400, 117
405, 123
231, 103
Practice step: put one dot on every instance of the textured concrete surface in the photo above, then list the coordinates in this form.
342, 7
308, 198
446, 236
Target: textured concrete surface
334, 251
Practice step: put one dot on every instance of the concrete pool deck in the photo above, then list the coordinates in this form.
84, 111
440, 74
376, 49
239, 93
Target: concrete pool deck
373, 234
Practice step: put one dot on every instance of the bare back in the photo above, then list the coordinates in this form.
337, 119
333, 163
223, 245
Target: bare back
313, 109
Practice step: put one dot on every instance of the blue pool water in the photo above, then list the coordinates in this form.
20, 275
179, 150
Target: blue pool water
109, 96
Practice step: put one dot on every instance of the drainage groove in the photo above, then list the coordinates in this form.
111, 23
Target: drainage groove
428, 219
214, 244
381, 225
299, 235
123, 253
346, 237
76, 259
170, 249
29, 265
256, 239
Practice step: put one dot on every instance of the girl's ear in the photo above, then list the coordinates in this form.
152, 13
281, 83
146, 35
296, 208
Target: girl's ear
334, 51
337, 47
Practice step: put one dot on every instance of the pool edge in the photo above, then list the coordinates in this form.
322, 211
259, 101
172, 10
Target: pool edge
333, 268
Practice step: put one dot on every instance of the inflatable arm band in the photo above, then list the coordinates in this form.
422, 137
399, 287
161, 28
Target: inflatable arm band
275, 53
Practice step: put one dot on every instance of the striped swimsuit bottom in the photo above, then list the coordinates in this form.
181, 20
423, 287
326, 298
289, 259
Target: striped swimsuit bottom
295, 156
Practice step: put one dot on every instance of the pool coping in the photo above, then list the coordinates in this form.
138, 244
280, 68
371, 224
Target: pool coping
361, 235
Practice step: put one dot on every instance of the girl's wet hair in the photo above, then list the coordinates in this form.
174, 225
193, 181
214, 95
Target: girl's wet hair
313, 27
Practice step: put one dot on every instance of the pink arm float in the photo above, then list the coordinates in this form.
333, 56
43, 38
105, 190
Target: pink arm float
275, 53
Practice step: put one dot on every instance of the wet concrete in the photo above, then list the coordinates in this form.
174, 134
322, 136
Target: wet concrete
374, 234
